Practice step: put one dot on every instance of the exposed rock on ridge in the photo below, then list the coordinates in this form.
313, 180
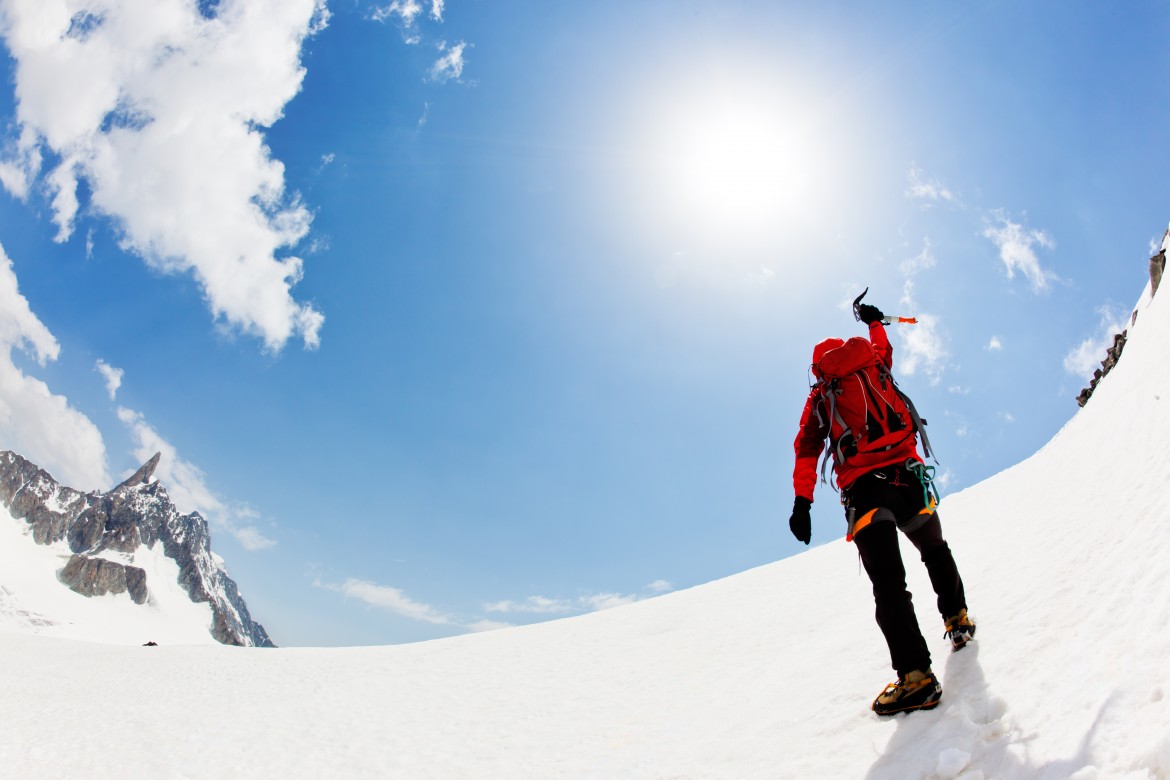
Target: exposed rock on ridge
97, 527
144, 473
1113, 354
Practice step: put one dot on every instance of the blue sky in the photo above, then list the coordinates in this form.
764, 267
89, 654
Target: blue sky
465, 314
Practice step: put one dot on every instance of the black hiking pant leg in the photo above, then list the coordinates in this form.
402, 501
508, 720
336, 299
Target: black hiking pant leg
940, 566
878, 546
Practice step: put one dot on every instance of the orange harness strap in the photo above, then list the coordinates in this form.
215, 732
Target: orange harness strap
863, 522
860, 524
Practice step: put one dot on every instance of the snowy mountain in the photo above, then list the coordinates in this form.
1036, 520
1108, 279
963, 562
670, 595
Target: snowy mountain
766, 674
123, 566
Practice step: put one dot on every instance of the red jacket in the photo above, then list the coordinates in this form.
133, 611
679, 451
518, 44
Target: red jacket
814, 428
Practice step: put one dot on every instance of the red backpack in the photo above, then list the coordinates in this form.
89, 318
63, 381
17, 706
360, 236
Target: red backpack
866, 411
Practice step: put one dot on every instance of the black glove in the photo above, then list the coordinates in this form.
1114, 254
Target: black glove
801, 522
869, 314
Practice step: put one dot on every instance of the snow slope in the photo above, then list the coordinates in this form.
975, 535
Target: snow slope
767, 674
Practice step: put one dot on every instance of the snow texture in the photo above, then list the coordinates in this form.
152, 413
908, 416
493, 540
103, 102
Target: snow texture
766, 674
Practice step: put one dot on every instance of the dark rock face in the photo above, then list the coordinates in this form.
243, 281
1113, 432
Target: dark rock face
136, 513
143, 475
97, 577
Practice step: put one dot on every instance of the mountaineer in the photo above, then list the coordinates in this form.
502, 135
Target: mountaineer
873, 430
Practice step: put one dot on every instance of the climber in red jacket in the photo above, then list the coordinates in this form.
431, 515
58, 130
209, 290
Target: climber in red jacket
872, 430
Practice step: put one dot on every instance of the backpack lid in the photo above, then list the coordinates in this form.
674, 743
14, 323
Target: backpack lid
834, 358
819, 352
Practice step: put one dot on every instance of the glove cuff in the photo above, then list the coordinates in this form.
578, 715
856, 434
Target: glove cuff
802, 503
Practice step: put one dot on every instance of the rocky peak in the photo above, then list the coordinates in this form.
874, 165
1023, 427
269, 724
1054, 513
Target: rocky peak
144, 473
101, 529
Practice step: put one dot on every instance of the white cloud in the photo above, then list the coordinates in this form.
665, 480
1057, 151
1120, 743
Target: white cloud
1085, 358
762, 276
602, 601
405, 10
17, 162
392, 599
995, 345
921, 261
449, 66
113, 377
407, 13
62, 182
19, 327
395, 600
34, 422
533, 605
187, 485
488, 625
1017, 249
160, 112
921, 346
542, 605
921, 189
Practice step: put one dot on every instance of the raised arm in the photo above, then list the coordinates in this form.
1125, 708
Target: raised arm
881, 344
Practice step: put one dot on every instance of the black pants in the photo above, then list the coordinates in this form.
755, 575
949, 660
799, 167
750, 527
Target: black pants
898, 497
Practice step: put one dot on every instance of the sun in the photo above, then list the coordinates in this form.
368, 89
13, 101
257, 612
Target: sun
738, 160
734, 164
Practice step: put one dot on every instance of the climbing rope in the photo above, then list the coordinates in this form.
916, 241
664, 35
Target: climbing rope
925, 476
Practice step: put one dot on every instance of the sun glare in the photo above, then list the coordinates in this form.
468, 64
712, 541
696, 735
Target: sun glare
737, 162
734, 164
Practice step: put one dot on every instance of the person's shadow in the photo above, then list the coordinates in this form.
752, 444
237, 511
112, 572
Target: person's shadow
971, 731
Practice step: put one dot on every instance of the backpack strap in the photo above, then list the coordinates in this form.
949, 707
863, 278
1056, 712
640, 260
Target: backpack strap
919, 424
825, 466
846, 431
829, 397
915, 418
879, 411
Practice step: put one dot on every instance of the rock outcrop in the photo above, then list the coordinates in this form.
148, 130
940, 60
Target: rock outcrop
1113, 354
97, 577
100, 528
1157, 268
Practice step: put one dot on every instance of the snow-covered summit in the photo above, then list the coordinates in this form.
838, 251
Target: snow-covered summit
129, 547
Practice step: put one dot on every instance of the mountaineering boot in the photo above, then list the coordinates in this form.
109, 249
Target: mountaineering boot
917, 690
960, 630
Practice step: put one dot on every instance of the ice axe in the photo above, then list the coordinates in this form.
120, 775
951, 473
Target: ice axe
887, 319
